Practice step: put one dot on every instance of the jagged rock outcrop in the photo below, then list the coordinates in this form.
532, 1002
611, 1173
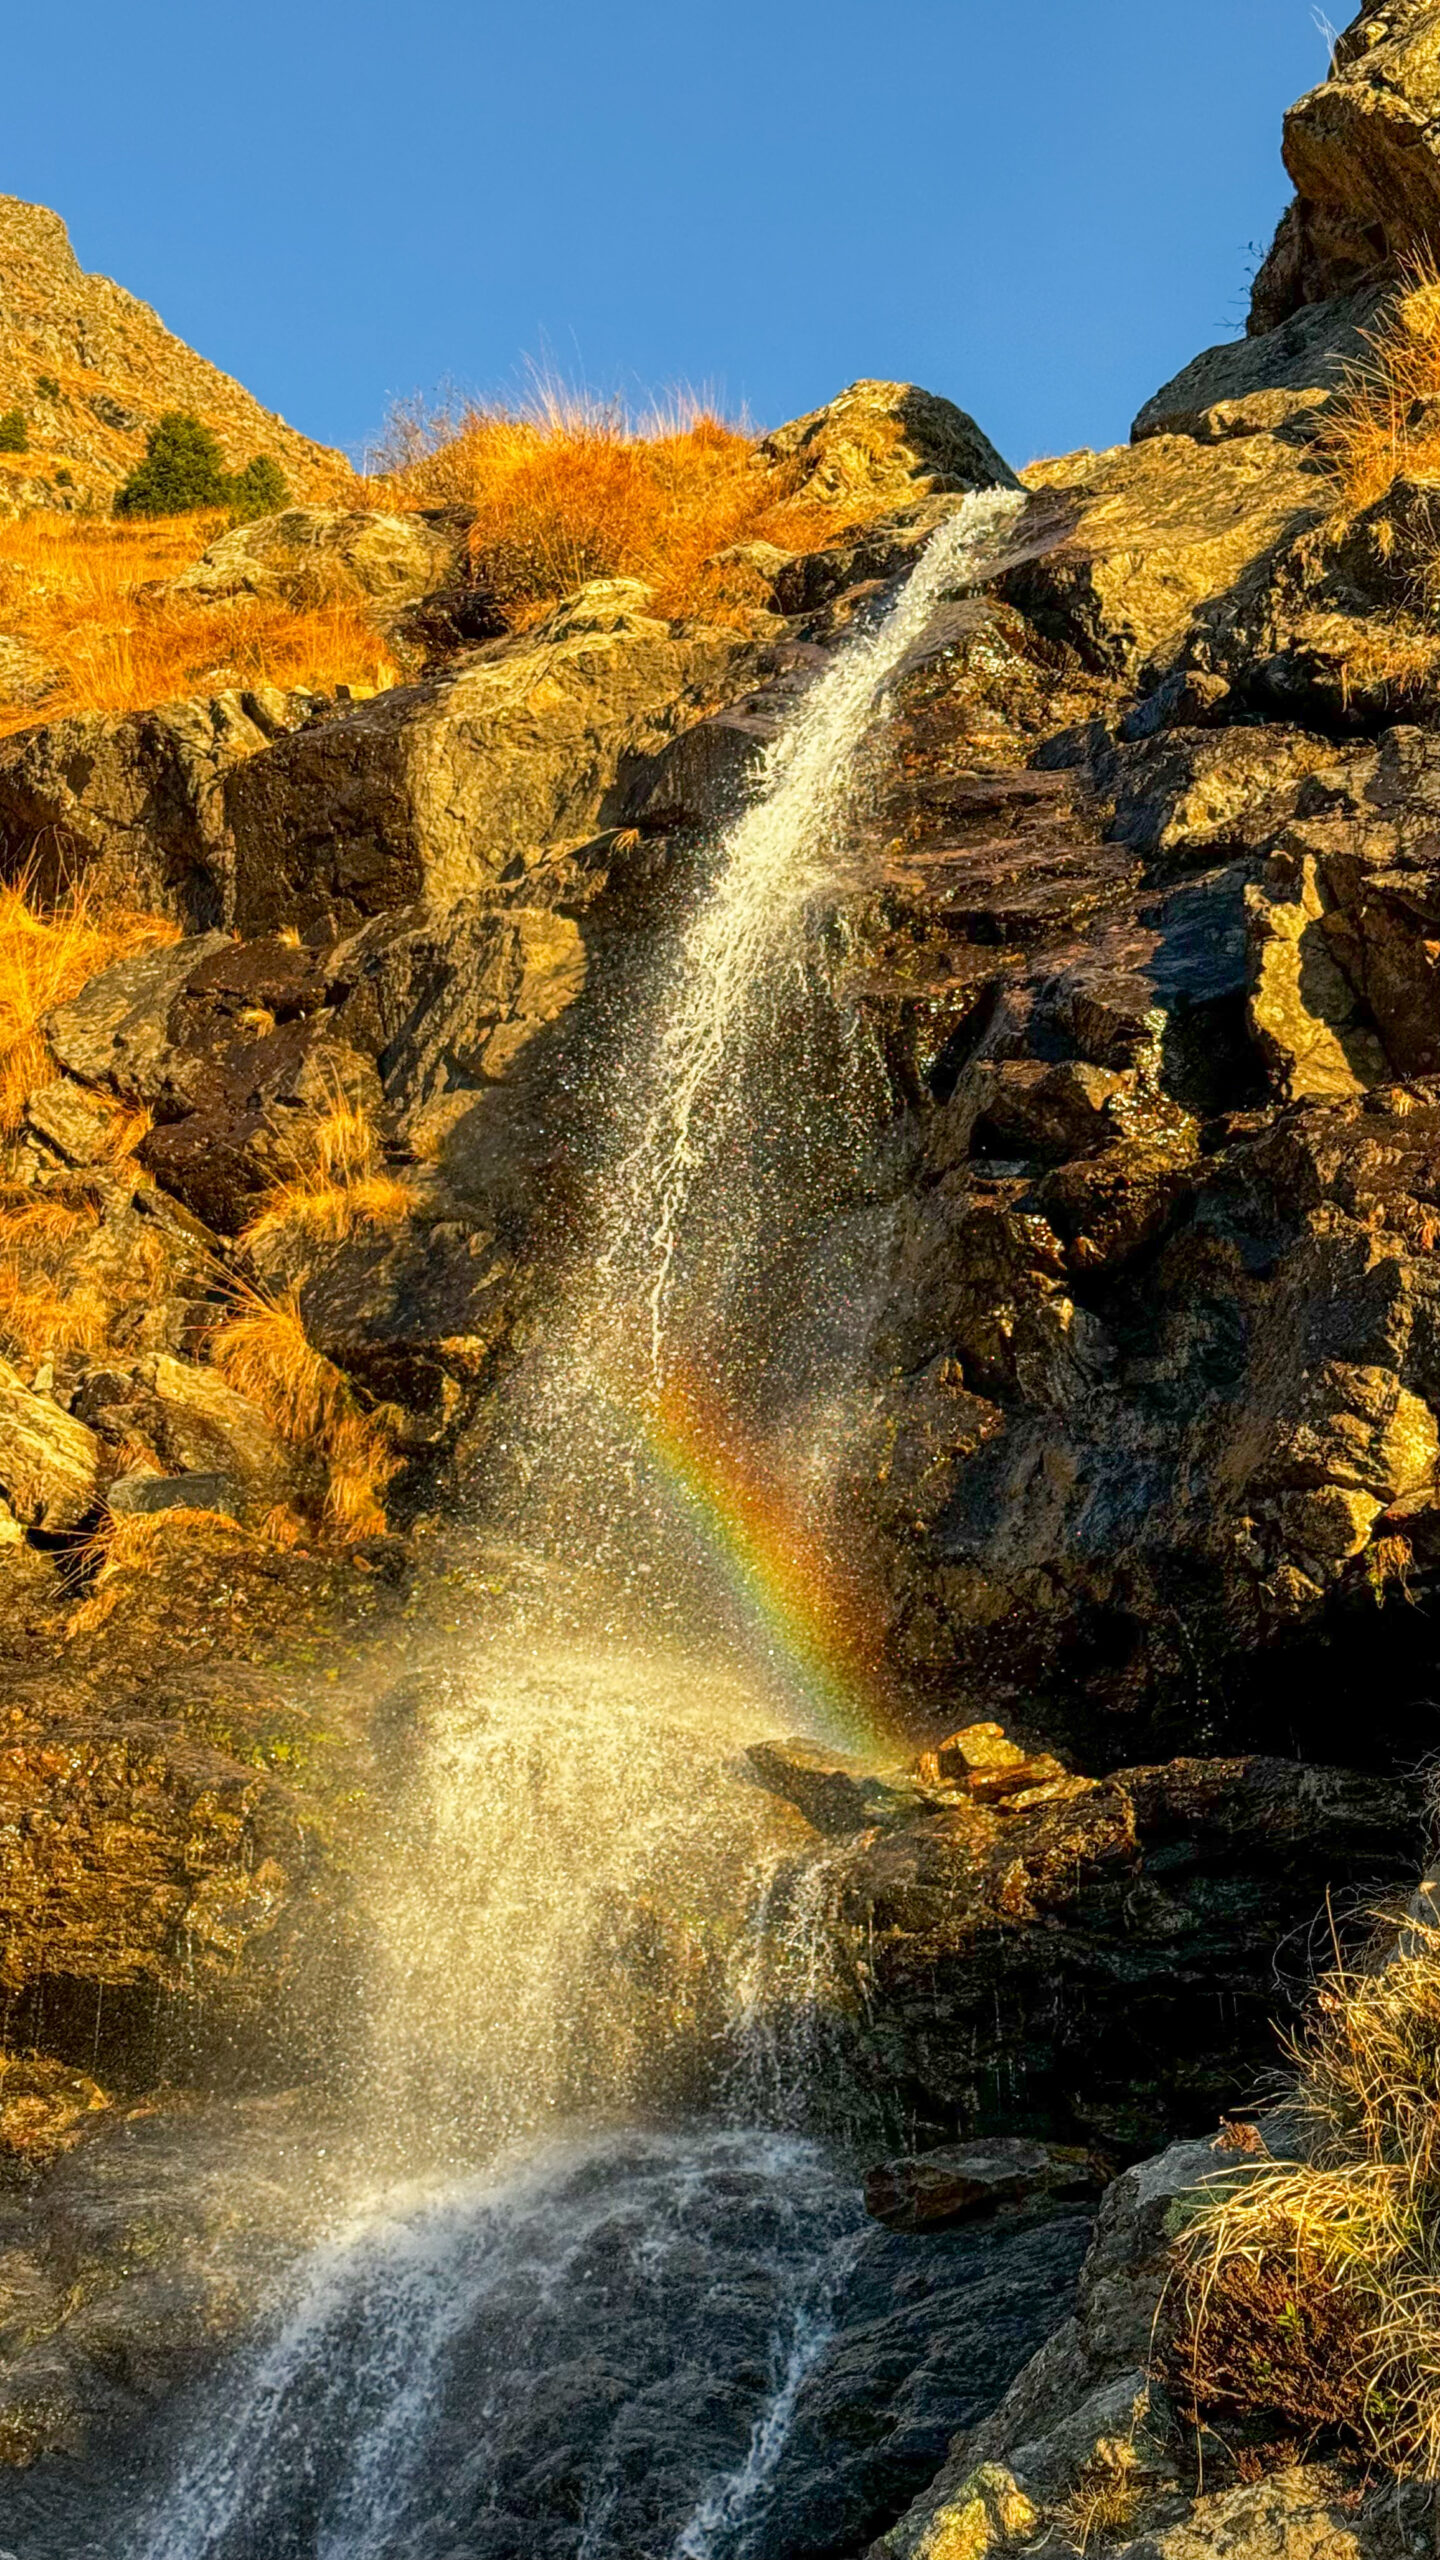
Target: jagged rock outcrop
888, 440
458, 783
91, 369
1364, 151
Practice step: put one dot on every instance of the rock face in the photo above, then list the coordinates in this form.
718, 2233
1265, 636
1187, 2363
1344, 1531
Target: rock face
1364, 152
1090, 1960
135, 806
91, 369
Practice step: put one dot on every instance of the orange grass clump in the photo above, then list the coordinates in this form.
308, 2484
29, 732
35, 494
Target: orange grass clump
50, 1299
570, 492
338, 1182
263, 1351
1309, 2289
74, 589
45, 958
1385, 420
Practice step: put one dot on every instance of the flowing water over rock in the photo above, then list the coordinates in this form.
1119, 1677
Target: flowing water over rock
626, 2306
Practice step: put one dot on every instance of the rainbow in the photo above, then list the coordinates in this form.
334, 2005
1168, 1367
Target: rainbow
805, 1604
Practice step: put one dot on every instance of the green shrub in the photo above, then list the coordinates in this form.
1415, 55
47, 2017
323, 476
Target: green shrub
259, 490
14, 434
64, 477
184, 469
47, 386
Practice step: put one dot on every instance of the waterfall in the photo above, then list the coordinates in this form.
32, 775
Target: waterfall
778, 863
603, 1979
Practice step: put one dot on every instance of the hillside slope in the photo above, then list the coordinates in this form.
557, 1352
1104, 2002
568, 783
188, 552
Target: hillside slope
91, 369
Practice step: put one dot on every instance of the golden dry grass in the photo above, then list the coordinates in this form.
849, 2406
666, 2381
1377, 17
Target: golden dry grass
1386, 419
338, 1182
128, 1543
1311, 2289
567, 491
1105, 2501
46, 956
262, 1350
50, 1301
74, 590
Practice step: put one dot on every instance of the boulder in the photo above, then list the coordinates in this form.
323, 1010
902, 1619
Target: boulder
116, 1031
197, 1429
49, 1462
834, 1790
74, 1122
134, 803
1147, 536
139, 1494
443, 789
1275, 384
887, 440
308, 556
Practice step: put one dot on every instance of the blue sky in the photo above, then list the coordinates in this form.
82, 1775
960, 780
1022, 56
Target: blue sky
1038, 207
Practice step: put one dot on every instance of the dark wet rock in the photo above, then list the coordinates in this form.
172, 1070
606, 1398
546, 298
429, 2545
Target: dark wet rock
1094, 1960
142, 1494
834, 1790
967, 2180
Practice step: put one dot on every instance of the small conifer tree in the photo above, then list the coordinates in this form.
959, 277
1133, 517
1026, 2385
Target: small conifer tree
14, 434
184, 469
259, 490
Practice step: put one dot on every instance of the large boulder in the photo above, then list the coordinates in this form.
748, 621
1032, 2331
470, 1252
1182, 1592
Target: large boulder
887, 441
1146, 536
1278, 383
441, 789
308, 556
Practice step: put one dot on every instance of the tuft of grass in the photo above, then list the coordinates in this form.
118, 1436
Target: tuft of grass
1309, 2290
80, 591
262, 1350
338, 1182
135, 1542
1385, 421
1105, 2500
47, 956
567, 489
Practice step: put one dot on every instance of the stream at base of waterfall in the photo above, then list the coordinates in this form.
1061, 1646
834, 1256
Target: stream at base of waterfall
604, 2289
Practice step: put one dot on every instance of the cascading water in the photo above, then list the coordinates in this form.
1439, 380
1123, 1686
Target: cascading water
603, 2323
